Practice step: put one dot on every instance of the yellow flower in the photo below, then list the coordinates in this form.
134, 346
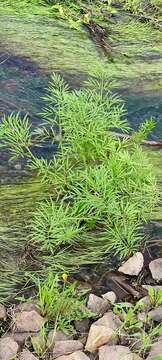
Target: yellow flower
65, 277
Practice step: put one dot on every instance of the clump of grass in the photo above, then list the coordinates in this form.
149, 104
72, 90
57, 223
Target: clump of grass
104, 187
61, 304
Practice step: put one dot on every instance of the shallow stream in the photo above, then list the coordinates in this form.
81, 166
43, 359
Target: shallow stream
31, 48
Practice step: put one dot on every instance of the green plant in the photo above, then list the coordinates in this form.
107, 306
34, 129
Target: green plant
129, 316
61, 304
147, 339
103, 187
39, 342
155, 296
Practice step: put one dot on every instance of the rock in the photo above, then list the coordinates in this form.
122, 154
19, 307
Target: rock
109, 320
117, 352
27, 355
156, 314
155, 267
3, 313
78, 355
156, 350
110, 296
26, 306
82, 325
98, 336
66, 347
8, 348
97, 305
27, 321
54, 336
133, 265
20, 338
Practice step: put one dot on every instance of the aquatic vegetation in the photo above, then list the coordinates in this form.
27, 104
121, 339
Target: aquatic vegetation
103, 187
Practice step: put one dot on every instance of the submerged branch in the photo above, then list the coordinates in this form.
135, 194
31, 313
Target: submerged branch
144, 142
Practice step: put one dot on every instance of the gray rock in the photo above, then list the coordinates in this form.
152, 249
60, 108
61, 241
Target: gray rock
110, 320
156, 314
98, 336
3, 313
110, 296
133, 265
20, 338
155, 267
27, 321
54, 336
8, 348
97, 305
26, 306
156, 350
66, 347
117, 352
78, 355
82, 325
27, 355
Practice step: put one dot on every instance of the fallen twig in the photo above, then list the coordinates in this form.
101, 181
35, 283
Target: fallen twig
144, 142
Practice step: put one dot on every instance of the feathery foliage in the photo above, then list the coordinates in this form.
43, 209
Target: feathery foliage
104, 187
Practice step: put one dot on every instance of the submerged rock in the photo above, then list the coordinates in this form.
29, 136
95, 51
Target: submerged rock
8, 348
133, 265
66, 347
97, 305
155, 267
98, 336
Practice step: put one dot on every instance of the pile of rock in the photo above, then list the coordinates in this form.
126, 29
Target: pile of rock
100, 339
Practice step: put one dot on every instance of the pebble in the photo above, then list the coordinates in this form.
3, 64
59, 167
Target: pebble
156, 314
98, 336
66, 347
8, 348
109, 320
77, 355
27, 321
133, 265
82, 325
110, 296
54, 336
27, 355
155, 267
97, 304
